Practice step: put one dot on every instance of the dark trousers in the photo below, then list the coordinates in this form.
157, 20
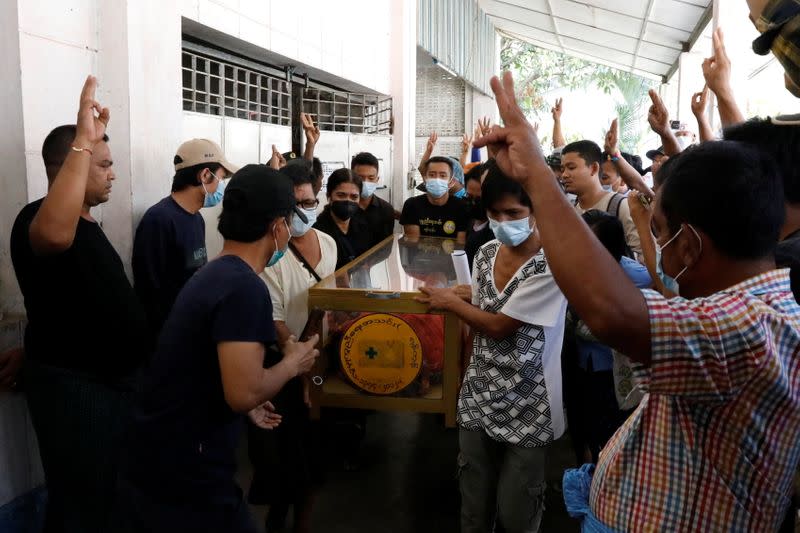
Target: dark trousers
79, 422
594, 416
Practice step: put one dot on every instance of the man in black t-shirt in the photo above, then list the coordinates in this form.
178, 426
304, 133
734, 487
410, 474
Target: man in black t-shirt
86, 334
375, 211
208, 370
436, 214
170, 243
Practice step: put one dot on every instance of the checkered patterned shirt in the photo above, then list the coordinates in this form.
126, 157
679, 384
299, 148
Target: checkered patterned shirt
715, 443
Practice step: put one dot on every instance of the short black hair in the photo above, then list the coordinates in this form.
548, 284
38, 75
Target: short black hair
731, 191
187, 177
57, 145
364, 158
342, 175
316, 168
781, 141
475, 173
299, 174
587, 150
497, 185
608, 230
440, 159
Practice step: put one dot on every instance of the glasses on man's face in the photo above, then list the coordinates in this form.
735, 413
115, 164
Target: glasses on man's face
308, 204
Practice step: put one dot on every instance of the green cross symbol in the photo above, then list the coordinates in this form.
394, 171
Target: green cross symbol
371, 353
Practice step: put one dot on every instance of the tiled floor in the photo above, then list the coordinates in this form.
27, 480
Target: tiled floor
407, 482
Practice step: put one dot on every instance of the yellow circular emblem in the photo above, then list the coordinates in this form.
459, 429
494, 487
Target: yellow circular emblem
381, 354
449, 227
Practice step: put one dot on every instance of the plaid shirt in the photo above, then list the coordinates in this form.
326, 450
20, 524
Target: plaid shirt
715, 443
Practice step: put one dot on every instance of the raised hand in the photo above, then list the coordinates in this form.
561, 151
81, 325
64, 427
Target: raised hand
657, 115
311, 130
700, 102
556, 110
466, 143
90, 127
515, 146
277, 161
485, 124
264, 416
612, 139
717, 68
432, 140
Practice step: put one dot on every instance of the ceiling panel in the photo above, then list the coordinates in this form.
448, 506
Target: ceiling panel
606, 31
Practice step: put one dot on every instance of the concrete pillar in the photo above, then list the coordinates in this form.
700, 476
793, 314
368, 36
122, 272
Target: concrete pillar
403, 58
139, 68
13, 171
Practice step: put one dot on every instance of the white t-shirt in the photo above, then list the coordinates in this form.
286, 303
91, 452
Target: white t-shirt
512, 388
288, 282
624, 216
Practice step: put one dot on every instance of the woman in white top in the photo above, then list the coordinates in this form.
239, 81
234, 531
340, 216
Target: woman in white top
284, 460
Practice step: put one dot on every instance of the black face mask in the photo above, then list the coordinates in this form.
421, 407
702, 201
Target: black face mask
476, 210
344, 209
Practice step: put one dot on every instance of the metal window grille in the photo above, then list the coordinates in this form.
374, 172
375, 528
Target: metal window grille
440, 103
219, 88
348, 112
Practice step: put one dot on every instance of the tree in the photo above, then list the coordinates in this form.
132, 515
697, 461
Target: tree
540, 71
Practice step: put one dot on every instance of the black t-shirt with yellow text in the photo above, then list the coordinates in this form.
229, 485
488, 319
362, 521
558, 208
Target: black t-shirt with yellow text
436, 220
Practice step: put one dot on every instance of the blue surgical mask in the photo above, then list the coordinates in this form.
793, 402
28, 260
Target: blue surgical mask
461, 194
607, 188
298, 228
511, 232
368, 189
669, 282
215, 197
437, 187
277, 254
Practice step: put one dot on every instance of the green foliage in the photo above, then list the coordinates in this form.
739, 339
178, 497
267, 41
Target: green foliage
538, 71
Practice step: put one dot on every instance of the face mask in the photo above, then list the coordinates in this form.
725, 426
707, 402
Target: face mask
344, 209
278, 254
298, 228
368, 189
684, 141
511, 232
436, 187
607, 188
215, 197
669, 282
461, 194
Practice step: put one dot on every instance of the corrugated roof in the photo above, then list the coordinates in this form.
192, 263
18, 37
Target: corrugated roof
645, 37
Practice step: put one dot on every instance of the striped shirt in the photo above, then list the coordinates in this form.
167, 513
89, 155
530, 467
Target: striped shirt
715, 443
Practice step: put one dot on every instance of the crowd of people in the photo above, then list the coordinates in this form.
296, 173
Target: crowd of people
650, 313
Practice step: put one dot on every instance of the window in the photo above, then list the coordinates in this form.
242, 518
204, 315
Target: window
348, 112
219, 88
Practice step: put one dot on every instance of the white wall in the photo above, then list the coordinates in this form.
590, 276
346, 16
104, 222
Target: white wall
320, 33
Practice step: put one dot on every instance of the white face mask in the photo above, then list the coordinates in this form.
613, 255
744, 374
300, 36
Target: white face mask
368, 189
298, 228
685, 141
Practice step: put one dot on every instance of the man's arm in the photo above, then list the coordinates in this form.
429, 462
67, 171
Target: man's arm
53, 228
423, 163
658, 117
411, 231
717, 73
629, 175
613, 307
699, 106
558, 136
246, 384
466, 144
312, 136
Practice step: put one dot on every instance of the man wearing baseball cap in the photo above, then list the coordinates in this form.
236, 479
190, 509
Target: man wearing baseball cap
169, 246
208, 370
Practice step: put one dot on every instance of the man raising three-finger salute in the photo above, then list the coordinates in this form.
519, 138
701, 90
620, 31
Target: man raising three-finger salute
86, 330
713, 445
